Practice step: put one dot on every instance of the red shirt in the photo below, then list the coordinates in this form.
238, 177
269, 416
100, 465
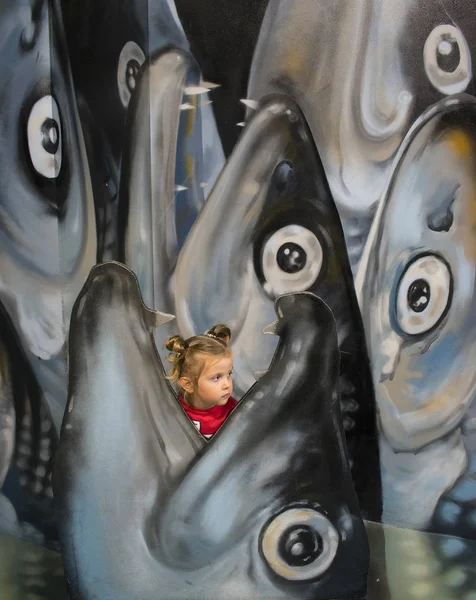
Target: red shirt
208, 421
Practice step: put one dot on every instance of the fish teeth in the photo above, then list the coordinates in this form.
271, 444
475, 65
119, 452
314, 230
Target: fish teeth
271, 328
249, 103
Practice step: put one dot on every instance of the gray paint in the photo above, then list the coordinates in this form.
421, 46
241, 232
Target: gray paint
424, 383
149, 509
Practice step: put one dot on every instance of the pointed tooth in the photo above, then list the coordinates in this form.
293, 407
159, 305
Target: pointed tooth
180, 188
241, 124
271, 328
195, 90
158, 318
249, 103
187, 106
209, 85
258, 374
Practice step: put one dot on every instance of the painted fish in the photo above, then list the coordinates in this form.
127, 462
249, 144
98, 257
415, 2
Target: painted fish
362, 72
148, 508
269, 227
47, 239
190, 154
417, 291
47, 231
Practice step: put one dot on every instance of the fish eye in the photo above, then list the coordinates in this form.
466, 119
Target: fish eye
44, 137
299, 544
447, 59
423, 295
130, 62
291, 260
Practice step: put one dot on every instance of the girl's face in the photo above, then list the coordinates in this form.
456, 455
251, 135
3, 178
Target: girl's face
215, 384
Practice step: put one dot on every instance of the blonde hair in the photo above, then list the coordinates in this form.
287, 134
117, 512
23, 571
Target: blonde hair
187, 356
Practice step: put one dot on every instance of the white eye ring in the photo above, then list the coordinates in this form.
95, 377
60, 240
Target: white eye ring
44, 137
303, 251
423, 295
439, 43
131, 59
284, 525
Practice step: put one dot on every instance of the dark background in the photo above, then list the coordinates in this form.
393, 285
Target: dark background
222, 36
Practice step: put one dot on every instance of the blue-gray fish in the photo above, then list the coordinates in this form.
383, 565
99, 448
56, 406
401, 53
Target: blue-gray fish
149, 509
269, 227
417, 292
47, 243
362, 73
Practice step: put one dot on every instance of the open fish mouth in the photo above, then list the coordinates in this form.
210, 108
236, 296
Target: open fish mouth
261, 252
269, 227
266, 507
153, 243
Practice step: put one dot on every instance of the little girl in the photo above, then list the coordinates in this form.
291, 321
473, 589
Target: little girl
202, 367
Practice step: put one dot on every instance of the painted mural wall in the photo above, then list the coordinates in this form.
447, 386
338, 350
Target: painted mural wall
308, 162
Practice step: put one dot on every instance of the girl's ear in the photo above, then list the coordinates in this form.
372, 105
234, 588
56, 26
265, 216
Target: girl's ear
187, 385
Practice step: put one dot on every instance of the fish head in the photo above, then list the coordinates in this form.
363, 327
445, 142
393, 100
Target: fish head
362, 74
419, 284
269, 228
253, 511
47, 242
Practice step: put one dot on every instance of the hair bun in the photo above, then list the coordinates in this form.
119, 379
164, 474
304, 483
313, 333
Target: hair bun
176, 345
221, 332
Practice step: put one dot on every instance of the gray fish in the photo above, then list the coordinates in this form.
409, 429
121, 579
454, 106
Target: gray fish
47, 246
185, 149
270, 227
149, 509
47, 239
417, 293
362, 72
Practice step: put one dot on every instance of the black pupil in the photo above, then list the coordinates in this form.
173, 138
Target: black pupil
448, 56
291, 258
50, 136
418, 295
300, 546
132, 71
